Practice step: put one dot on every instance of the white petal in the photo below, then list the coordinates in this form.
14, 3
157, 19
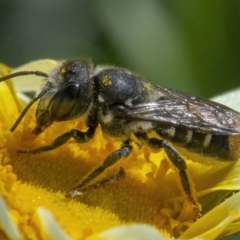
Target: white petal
50, 226
7, 225
130, 232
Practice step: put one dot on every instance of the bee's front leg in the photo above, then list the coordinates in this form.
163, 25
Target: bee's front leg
79, 137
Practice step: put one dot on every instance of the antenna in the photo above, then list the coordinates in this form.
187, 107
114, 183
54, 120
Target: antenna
24, 73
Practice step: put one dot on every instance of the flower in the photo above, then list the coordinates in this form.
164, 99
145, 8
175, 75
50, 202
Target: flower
147, 202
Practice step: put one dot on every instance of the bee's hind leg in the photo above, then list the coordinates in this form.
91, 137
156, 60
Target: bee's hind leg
178, 161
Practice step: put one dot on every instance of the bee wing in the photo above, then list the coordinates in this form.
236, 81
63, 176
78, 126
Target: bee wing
186, 111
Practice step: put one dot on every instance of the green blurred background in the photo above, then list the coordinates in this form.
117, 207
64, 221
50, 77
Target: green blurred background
193, 46
190, 45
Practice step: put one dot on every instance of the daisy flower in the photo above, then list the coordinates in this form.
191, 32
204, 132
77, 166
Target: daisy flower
146, 204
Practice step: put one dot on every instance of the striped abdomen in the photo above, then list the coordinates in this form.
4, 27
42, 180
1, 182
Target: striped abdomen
223, 147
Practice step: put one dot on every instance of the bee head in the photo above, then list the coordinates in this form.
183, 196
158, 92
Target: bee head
67, 95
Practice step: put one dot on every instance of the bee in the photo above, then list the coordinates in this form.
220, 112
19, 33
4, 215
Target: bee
122, 104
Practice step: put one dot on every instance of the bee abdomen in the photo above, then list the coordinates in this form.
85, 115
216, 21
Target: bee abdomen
223, 147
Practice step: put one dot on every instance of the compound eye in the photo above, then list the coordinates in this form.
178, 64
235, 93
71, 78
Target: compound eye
63, 102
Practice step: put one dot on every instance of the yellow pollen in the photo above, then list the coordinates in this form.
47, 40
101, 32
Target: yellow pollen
107, 81
62, 70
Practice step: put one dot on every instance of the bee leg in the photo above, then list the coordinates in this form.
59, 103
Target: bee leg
114, 157
80, 137
178, 161
114, 178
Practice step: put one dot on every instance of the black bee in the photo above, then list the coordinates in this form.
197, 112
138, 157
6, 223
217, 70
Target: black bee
122, 104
